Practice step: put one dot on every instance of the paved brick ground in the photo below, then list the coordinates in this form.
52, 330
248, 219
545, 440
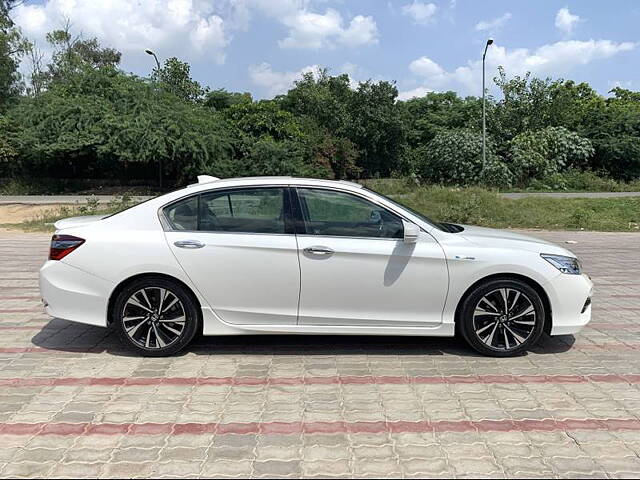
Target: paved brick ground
73, 403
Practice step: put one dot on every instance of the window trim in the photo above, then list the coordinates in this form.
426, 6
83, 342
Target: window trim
299, 217
289, 221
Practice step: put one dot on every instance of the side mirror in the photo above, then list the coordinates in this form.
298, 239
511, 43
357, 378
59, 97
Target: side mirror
411, 232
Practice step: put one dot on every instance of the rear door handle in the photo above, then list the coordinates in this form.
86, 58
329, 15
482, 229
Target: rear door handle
318, 250
188, 244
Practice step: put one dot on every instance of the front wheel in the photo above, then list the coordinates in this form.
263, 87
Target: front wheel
502, 318
155, 316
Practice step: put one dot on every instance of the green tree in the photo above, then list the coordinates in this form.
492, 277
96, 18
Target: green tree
426, 116
376, 128
614, 128
271, 140
537, 154
324, 98
175, 77
368, 117
71, 55
102, 120
8, 153
12, 47
455, 157
220, 99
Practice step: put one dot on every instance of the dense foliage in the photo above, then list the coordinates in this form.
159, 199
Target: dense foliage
80, 116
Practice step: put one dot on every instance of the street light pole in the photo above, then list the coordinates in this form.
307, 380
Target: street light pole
150, 52
484, 107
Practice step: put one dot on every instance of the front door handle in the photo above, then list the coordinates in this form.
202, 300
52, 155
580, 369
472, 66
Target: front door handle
188, 244
318, 250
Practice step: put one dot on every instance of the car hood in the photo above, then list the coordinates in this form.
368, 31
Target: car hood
494, 238
77, 221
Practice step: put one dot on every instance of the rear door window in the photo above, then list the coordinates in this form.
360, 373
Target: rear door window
245, 210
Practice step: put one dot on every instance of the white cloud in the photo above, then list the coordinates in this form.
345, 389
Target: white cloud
565, 21
425, 67
421, 12
554, 59
276, 83
492, 25
315, 30
185, 28
414, 93
361, 31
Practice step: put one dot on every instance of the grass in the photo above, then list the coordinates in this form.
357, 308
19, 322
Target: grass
579, 181
486, 208
477, 206
473, 206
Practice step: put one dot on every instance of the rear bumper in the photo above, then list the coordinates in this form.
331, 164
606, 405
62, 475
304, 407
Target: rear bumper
73, 294
569, 295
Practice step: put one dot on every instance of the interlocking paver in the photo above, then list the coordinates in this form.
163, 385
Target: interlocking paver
73, 402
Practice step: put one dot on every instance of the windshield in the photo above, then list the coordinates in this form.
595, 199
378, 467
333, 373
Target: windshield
408, 209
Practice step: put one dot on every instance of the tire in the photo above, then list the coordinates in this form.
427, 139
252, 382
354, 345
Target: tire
135, 316
496, 330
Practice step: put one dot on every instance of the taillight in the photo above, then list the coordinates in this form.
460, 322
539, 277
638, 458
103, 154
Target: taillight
63, 245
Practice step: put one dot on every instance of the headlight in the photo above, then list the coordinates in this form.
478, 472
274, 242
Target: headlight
570, 265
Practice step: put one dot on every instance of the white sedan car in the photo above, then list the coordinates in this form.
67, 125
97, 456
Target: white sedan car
301, 256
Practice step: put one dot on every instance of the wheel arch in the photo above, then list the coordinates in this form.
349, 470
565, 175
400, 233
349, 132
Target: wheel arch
548, 313
123, 284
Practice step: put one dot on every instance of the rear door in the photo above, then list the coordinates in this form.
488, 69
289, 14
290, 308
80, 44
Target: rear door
239, 249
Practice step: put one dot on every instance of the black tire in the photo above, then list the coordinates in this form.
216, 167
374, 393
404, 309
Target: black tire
131, 308
486, 327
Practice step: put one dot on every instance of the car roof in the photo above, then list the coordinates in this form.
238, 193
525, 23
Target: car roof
270, 180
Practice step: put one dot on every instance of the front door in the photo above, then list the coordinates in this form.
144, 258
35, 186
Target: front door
239, 250
357, 270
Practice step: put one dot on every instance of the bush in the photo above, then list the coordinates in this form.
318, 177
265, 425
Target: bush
496, 174
541, 153
455, 157
268, 157
8, 152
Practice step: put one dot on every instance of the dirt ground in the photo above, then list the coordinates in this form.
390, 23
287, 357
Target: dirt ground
16, 213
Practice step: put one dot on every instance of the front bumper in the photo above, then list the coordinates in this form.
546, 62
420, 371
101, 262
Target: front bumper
570, 298
73, 294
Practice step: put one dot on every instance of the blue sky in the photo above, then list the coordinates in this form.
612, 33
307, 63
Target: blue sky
261, 46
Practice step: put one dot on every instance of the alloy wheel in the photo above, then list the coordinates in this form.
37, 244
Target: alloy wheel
153, 318
504, 319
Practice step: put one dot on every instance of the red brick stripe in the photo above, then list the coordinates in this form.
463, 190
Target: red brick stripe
290, 428
330, 380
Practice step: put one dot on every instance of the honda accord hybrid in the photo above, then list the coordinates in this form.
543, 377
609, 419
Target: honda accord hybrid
280, 255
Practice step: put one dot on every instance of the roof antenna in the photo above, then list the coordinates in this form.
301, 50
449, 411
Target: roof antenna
207, 179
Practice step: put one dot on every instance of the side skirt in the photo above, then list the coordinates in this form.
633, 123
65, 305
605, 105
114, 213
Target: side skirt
212, 325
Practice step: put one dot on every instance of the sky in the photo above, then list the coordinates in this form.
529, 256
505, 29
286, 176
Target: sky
262, 46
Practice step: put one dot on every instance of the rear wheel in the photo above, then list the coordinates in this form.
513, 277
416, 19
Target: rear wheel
502, 318
155, 316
